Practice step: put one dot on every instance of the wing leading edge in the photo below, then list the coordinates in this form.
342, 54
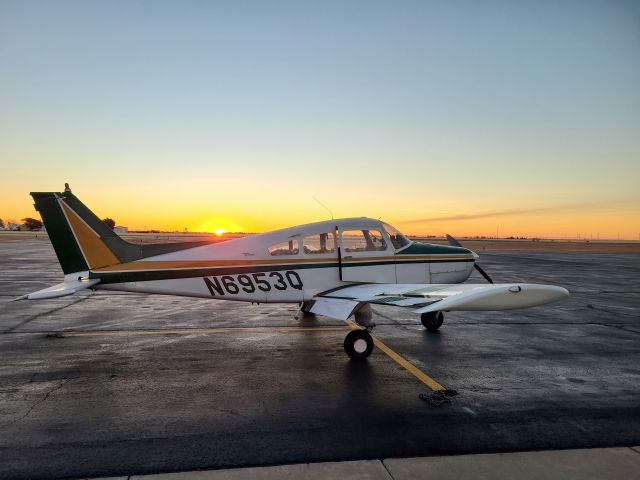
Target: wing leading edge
438, 297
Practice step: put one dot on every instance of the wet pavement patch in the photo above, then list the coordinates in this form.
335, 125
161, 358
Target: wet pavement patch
438, 398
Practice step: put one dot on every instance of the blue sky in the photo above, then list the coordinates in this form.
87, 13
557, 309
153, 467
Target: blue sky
404, 110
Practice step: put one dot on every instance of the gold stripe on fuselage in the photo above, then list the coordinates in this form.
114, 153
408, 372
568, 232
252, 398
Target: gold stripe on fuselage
141, 265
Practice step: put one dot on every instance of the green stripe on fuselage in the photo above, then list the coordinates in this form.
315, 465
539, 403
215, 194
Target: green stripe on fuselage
149, 275
418, 248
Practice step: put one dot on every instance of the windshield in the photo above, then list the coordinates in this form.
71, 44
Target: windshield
397, 239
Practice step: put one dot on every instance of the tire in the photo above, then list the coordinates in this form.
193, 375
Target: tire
358, 344
432, 320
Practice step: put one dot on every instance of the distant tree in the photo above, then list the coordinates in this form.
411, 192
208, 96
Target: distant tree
110, 222
32, 223
1, 223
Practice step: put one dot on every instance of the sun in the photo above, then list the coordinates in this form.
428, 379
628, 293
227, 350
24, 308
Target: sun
217, 225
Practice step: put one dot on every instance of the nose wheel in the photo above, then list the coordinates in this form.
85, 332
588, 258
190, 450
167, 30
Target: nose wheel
432, 320
358, 344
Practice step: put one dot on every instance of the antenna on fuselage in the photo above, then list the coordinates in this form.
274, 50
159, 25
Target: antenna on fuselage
323, 205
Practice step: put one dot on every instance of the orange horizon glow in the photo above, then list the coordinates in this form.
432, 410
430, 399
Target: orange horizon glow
617, 220
290, 123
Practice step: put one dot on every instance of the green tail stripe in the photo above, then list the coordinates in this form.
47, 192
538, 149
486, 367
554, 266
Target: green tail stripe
64, 243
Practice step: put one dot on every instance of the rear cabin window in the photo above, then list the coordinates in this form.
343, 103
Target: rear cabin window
363, 241
319, 244
290, 247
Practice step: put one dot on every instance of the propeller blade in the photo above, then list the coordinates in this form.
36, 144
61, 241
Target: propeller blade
483, 273
455, 243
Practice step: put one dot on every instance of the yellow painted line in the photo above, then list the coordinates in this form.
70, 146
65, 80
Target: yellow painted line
415, 371
187, 331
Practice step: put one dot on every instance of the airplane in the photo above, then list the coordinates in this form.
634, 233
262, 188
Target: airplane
337, 268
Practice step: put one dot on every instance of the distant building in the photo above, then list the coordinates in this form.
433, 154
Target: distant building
24, 228
120, 230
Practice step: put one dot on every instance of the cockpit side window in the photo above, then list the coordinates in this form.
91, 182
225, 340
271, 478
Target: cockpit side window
289, 247
363, 241
398, 240
320, 243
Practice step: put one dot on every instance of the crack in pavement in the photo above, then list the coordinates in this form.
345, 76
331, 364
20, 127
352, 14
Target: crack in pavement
38, 402
621, 327
384, 465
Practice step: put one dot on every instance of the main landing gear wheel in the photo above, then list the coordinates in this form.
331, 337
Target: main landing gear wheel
358, 344
432, 320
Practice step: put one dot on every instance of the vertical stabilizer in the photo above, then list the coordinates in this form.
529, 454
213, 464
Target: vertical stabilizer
84, 242
62, 238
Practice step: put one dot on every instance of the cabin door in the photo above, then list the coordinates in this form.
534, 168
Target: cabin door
366, 256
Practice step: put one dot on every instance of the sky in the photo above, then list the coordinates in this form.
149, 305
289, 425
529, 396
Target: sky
461, 117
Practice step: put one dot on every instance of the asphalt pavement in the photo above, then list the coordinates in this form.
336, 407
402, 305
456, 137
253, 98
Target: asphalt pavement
104, 384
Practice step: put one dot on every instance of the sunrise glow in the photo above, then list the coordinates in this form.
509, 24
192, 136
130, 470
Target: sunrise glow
431, 131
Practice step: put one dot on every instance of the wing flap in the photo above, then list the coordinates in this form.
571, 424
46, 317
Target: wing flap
337, 308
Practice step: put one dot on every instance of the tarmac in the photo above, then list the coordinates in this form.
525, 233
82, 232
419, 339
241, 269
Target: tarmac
104, 384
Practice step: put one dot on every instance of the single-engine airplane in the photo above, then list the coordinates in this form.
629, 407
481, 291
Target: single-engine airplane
335, 268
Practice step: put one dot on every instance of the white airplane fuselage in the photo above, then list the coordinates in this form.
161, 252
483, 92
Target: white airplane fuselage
249, 269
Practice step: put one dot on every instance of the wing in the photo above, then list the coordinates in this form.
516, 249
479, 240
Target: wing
436, 297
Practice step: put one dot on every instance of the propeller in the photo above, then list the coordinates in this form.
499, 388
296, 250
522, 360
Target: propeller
455, 243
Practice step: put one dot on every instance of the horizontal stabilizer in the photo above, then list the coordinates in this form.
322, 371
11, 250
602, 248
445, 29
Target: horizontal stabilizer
62, 289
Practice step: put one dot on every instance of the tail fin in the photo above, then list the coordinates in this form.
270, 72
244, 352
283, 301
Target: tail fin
84, 242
